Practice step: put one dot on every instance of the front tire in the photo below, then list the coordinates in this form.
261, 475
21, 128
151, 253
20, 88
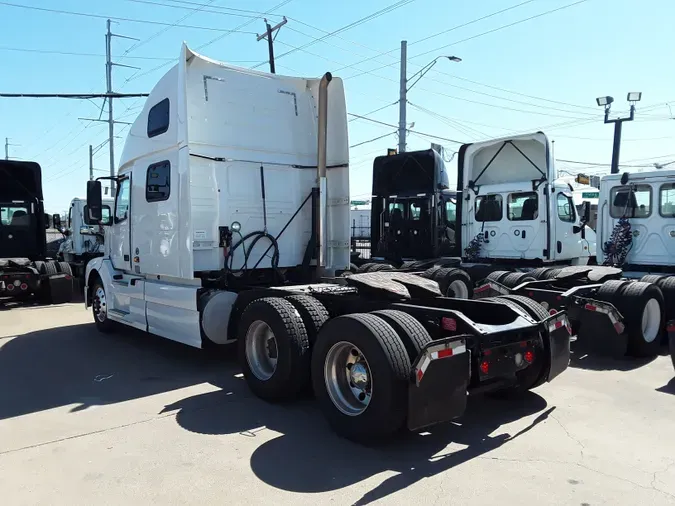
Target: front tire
99, 308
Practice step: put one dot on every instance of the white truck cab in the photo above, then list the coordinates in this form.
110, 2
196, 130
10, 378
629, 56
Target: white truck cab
83, 241
513, 202
647, 201
219, 170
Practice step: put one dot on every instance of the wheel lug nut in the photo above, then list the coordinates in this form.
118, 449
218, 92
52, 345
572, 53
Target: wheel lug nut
349, 366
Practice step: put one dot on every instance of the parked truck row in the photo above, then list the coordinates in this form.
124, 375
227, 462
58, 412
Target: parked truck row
512, 229
231, 224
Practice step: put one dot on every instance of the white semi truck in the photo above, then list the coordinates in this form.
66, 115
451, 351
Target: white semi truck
513, 227
83, 239
230, 223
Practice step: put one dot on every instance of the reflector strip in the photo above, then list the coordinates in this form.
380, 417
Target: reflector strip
611, 314
438, 352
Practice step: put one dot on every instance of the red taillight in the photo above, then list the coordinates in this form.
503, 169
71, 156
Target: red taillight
670, 327
449, 324
591, 307
487, 352
529, 357
445, 353
523, 344
530, 294
24, 286
484, 367
10, 287
552, 311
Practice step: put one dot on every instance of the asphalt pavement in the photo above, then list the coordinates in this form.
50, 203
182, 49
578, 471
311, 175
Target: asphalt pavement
129, 418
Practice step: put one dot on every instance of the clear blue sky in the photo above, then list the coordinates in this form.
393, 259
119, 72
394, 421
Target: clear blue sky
539, 74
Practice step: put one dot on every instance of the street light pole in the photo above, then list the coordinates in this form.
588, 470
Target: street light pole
405, 88
618, 122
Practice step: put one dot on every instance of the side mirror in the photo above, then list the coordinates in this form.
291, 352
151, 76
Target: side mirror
56, 221
47, 221
585, 212
94, 202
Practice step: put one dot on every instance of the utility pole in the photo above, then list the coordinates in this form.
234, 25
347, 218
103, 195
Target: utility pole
402, 99
270, 40
109, 88
91, 162
6, 148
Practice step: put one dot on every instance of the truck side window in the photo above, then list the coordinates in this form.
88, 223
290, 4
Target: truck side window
157, 187
15, 216
667, 200
450, 211
122, 201
523, 206
565, 208
106, 214
489, 208
631, 204
158, 118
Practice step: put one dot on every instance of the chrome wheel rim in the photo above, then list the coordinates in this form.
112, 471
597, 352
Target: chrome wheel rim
348, 378
100, 305
261, 350
458, 289
651, 320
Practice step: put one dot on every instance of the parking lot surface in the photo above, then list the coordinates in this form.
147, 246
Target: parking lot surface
128, 418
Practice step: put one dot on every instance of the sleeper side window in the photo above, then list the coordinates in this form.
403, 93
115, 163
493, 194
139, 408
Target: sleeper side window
158, 118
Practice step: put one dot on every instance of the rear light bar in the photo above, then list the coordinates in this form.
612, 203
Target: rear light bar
438, 352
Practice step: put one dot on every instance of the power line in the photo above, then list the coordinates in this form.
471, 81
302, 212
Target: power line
349, 26
78, 96
116, 18
502, 27
371, 140
434, 35
198, 8
375, 110
72, 53
396, 126
212, 41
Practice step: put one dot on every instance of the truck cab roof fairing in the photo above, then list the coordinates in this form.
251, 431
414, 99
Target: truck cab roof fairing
505, 160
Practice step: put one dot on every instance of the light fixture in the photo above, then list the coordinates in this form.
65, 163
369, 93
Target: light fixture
604, 101
236, 226
634, 96
456, 59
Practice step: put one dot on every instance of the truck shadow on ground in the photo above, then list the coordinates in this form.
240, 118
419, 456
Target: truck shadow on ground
586, 358
668, 388
308, 457
8, 303
78, 365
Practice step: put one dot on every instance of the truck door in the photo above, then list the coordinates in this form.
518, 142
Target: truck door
526, 229
650, 233
120, 237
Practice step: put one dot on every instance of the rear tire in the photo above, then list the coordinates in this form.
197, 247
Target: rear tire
381, 267
64, 268
551, 274
643, 309
454, 283
538, 273
516, 278
651, 278
99, 306
364, 268
370, 403
497, 276
411, 332
313, 314
273, 349
667, 286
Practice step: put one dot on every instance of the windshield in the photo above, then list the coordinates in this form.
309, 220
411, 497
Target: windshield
14, 215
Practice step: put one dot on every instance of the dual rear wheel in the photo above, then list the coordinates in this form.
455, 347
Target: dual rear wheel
358, 365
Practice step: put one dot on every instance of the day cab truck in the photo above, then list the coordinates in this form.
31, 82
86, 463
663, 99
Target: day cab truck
517, 232
231, 225
25, 270
83, 240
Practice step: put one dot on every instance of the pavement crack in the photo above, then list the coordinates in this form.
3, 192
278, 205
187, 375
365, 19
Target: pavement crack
569, 435
84, 434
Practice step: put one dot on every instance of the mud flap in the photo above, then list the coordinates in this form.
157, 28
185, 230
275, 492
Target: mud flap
601, 329
559, 334
57, 289
438, 386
